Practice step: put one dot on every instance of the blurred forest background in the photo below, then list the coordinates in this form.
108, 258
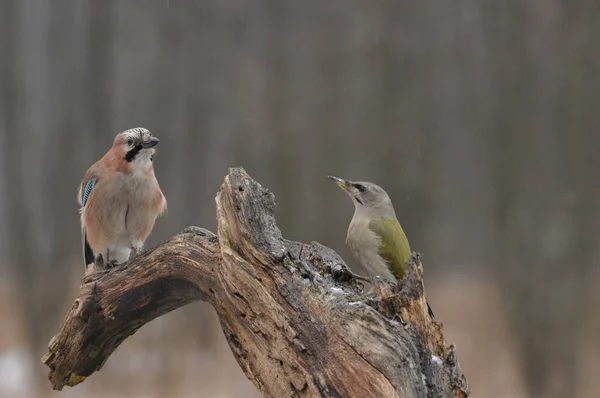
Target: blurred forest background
481, 119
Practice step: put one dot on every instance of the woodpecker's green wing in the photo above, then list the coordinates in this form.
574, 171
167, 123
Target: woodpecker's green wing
394, 248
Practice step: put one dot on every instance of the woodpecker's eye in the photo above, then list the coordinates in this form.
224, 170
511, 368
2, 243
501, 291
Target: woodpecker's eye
129, 141
361, 188
152, 158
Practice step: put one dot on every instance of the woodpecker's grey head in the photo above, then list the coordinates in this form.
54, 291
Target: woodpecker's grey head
364, 194
136, 147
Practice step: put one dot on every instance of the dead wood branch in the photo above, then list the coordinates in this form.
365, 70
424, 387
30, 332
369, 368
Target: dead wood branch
288, 310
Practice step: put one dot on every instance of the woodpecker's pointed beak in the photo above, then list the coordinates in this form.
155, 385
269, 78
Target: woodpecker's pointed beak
152, 142
341, 182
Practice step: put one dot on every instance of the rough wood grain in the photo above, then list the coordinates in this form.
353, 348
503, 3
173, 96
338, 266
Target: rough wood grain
290, 311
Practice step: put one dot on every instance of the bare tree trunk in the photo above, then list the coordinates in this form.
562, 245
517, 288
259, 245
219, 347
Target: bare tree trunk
288, 310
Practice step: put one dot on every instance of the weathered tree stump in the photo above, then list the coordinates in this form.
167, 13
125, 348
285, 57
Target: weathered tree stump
290, 311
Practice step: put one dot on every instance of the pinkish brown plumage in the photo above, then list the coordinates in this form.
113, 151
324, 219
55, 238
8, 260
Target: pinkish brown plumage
120, 199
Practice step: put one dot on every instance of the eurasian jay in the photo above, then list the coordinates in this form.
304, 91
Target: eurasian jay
120, 199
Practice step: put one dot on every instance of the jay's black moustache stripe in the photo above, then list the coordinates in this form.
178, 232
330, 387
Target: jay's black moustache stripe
133, 153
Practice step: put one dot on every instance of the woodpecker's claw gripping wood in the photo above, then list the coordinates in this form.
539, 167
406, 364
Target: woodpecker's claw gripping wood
282, 305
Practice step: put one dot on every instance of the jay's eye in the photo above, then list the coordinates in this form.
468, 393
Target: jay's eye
361, 188
129, 141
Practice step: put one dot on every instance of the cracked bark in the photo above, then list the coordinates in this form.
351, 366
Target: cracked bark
289, 310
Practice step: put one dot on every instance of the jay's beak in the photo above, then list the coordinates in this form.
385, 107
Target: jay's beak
153, 141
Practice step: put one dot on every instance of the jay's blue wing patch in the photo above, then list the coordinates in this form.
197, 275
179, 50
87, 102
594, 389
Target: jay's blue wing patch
88, 253
86, 191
